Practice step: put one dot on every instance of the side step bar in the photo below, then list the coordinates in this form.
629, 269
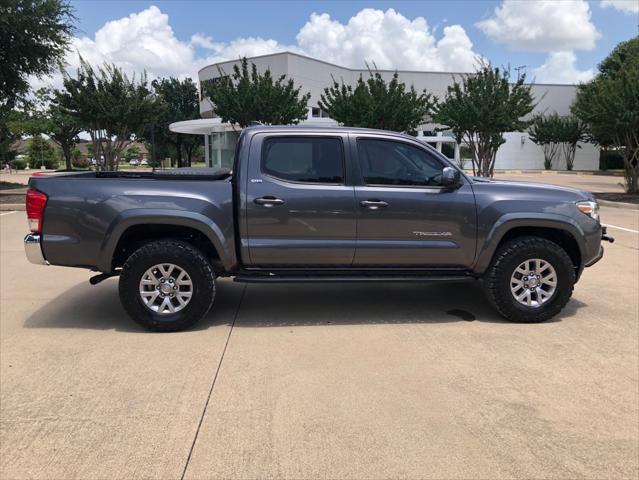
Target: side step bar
350, 279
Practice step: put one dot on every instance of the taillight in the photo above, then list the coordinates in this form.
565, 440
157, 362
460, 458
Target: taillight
36, 201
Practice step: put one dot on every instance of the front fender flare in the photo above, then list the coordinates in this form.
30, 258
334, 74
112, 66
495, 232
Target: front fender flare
509, 221
135, 217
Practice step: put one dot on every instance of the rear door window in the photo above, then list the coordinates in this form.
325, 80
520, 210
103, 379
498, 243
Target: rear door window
304, 159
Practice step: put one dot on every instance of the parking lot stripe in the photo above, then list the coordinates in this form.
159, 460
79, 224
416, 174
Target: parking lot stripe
7, 213
621, 228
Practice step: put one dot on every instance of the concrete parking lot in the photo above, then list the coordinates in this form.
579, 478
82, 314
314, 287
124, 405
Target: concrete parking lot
309, 381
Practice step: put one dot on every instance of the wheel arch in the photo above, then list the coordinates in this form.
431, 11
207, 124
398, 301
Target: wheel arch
561, 230
134, 228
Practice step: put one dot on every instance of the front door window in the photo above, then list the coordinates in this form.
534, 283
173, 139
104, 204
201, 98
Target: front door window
385, 162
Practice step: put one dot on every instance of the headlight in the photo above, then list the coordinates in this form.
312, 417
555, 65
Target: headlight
589, 208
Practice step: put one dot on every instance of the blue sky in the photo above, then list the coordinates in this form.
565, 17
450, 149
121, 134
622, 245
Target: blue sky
558, 41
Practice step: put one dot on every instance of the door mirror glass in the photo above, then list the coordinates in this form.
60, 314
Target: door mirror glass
451, 177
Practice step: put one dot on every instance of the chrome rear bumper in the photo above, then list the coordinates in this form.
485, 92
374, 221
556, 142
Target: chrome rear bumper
33, 249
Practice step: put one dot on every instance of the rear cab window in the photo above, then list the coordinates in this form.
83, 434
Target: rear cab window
304, 159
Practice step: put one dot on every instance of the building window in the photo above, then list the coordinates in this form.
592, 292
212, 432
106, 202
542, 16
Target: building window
317, 112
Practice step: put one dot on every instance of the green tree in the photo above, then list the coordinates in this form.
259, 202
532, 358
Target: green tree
47, 117
609, 105
373, 103
247, 96
572, 132
110, 106
40, 152
11, 129
545, 131
180, 102
132, 152
481, 107
91, 151
34, 35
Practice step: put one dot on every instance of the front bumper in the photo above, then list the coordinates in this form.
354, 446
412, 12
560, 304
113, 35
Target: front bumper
33, 249
596, 259
606, 238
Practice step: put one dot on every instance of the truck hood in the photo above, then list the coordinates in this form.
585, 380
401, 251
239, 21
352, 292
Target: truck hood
570, 194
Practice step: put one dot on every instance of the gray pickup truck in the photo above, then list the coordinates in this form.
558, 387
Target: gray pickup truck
306, 204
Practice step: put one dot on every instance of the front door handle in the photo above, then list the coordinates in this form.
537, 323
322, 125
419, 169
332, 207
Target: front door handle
373, 204
269, 201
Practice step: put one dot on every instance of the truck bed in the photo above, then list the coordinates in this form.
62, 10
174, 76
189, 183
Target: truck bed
87, 213
164, 174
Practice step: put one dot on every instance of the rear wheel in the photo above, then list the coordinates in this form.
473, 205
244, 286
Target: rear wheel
167, 285
530, 280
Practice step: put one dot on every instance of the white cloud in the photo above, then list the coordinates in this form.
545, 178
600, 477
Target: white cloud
145, 41
141, 41
625, 6
240, 47
547, 26
560, 68
388, 39
201, 40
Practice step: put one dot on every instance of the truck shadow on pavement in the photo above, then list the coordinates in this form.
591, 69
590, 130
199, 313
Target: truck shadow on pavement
98, 307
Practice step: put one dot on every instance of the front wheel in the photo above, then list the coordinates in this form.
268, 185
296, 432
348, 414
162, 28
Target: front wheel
530, 280
167, 285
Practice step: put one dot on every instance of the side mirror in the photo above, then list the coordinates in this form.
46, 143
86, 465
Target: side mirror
451, 177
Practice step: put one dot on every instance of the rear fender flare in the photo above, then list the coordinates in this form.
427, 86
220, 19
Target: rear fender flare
135, 217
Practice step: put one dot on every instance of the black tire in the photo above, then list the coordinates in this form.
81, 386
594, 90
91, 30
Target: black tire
188, 258
508, 258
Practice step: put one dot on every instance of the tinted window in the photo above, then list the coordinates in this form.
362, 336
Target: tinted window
308, 160
385, 162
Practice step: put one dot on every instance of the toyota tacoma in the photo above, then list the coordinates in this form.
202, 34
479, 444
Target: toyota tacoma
308, 204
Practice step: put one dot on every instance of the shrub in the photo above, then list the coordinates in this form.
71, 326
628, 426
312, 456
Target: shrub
81, 162
41, 152
49, 163
611, 159
18, 163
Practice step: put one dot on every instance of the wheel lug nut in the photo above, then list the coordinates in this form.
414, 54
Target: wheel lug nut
175, 287
157, 287
525, 286
162, 280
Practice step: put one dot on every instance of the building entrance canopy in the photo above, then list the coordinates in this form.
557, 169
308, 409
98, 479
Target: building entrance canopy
219, 139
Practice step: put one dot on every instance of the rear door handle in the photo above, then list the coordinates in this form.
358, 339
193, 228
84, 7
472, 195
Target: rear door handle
269, 201
373, 204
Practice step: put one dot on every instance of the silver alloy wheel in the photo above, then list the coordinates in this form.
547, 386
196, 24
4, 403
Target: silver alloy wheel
533, 282
166, 288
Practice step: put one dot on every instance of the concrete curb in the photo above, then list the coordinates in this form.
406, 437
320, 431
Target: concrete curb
14, 191
608, 203
12, 206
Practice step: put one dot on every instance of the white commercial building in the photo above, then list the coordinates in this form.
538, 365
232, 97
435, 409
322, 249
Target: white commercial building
313, 76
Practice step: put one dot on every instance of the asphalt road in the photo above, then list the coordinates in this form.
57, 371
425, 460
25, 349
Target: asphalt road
308, 381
